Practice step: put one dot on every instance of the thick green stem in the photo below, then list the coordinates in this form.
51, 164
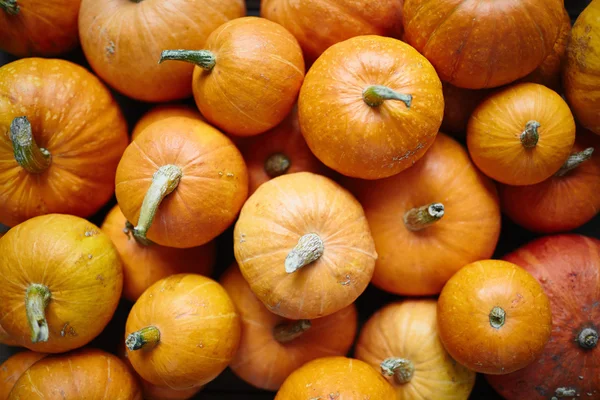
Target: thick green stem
400, 368
37, 298
530, 136
309, 248
277, 164
202, 58
375, 95
10, 6
497, 317
288, 331
419, 218
575, 160
148, 336
129, 231
30, 157
588, 338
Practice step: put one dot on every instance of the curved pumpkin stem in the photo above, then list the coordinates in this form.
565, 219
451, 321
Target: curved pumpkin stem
288, 331
375, 95
530, 136
575, 160
419, 218
37, 298
277, 164
400, 368
148, 336
129, 231
309, 248
497, 317
202, 58
30, 157
10, 6
588, 338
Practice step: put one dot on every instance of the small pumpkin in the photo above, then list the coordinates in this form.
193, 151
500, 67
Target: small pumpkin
459, 104
181, 183
272, 347
61, 137
304, 245
568, 268
521, 135
145, 264
62, 282
401, 341
122, 41
494, 317
182, 332
14, 367
164, 111
370, 107
247, 78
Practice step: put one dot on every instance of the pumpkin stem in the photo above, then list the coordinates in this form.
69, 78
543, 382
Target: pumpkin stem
309, 249
10, 6
164, 181
202, 58
129, 229
575, 160
400, 368
277, 164
37, 298
288, 331
30, 157
497, 317
530, 136
419, 218
375, 95
149, 335
588, 338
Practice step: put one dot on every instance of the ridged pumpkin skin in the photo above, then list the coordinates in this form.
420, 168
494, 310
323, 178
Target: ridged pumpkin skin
12, 369
493, 317
265, 362
459, 104
74, 117
123, 40
39, 28
568, 268
79, 266
478, 45
363, 141
497, 139
270, 228
408, 330
84, 374
161, 112
337, 378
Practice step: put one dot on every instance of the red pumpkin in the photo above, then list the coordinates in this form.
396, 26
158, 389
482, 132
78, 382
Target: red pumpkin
12, 369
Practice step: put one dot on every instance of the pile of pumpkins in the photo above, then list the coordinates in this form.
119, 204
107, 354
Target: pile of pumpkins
333, 179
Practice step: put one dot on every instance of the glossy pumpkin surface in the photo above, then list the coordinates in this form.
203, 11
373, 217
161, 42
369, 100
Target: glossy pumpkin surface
12, 369
164, 111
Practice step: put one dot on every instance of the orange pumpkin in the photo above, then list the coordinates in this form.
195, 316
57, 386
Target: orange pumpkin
478, 45
370, 107
122, 41
164, 111
182, 332
303, 244
494, 317
247, 78
143, 265
14, 367
335, 378
5, 338
62, 282
430, 220
38, 28
181, 183
62, 135
401, 341
521, 135
459, 104
84, 374
272, 347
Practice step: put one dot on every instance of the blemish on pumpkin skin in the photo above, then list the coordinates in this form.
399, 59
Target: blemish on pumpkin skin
91, 233
110, 49
67, 329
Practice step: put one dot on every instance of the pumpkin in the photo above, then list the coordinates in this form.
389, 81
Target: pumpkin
304, 245
14, 367
370, 107
181, 183
62, 282
164, 111
459, 104
494, 317
61, 138
38, 28
474, 45
272, 347
521, 135
83, 374
401, 341
581, 74
335, 378
182, 332
247, 78
143, 265
122, 41
319, 24
568, 268
566, 200
430, 220
5, 338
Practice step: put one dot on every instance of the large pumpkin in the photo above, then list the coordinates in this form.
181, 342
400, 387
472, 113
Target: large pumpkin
61, 138
5, 338
459, 104
303, 244
164, 111
181, 183
568, 268
14, 367
62, 280
370, 107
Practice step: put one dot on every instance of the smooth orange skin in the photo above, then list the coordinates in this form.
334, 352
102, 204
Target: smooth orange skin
161, 112
41, 28
199, 331
464, 324
79, 265
408, 330
144, 265
210, 194
84, 374
459, 104
74, 116
477, 45
272, 221
494, 129
419, 263
264, 362
339, 378
123, 40
361, 141
14, 367
5, 338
